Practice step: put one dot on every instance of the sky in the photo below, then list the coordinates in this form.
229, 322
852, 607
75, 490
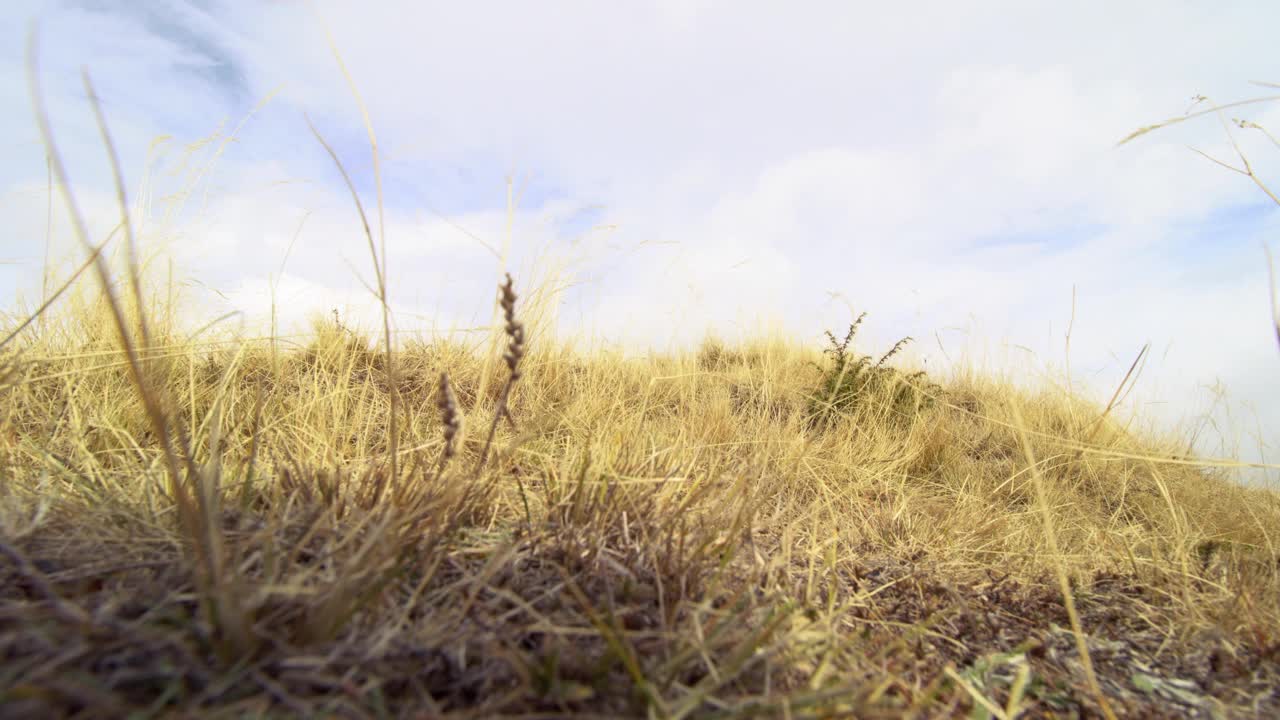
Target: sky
694, 166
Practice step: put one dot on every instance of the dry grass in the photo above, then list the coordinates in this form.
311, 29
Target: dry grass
666, 537
192, 527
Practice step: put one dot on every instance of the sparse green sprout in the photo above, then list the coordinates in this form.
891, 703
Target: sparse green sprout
851, 383
894, 350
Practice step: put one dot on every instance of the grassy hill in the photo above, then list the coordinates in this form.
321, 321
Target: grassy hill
335, 528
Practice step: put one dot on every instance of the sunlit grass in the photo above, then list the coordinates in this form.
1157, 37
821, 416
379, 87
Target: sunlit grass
670, 536
511, 525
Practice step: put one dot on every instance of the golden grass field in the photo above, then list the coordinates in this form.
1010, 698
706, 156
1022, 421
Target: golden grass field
668, 537
517, 527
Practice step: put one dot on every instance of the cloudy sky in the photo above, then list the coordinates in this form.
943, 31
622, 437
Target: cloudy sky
950, 168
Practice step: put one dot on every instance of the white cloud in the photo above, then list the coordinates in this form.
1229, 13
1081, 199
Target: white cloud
755, 157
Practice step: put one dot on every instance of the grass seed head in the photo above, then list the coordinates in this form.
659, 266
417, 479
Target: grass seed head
515, 330
448, 404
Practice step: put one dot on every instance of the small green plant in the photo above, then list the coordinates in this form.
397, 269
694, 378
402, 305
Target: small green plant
856, 381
